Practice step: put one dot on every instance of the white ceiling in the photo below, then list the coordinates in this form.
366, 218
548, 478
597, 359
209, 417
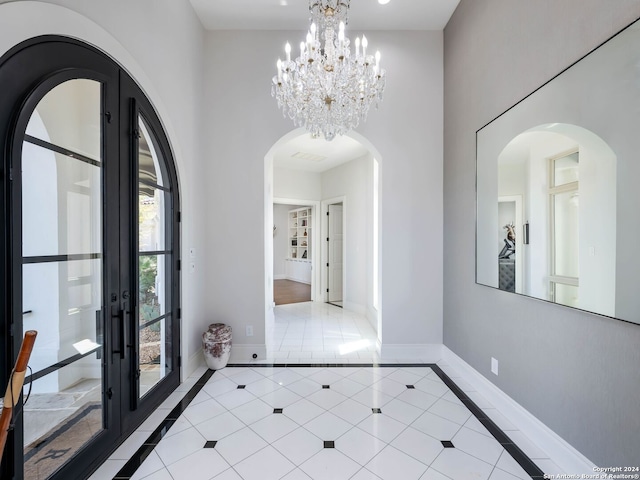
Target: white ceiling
316, 154
294, 14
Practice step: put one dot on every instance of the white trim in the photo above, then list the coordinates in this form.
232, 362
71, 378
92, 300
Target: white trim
426, 352
196, 360
567, 458
281, 277
243, 353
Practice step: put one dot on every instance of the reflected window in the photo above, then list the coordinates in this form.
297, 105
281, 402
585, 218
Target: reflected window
564, 228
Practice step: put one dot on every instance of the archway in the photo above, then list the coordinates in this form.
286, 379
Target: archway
356, 184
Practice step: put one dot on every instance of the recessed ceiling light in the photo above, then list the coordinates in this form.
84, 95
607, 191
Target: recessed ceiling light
383, 2
284, 3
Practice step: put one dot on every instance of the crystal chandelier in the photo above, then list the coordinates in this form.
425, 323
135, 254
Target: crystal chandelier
327, 89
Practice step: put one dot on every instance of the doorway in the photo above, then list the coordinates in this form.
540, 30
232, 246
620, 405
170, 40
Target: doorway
292, 253
92, 222
335, 254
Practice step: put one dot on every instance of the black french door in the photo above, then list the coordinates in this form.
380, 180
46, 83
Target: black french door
90, 209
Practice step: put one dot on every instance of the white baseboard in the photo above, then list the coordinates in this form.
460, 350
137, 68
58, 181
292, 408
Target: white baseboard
196, 360
281, 276
244, 353
567, 458
297, 280
426, 352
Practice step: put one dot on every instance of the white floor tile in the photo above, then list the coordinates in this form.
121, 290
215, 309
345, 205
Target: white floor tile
383, 427
458, 465
219, 387
420, 446
438, 427
456, 413
299, 445
509, 465
326, 398
417, 398
130, 446
162, 474
203, 411
219, 427
402, 411
498, 474
273, 427
359, 446
229, 474
235, 398
328, 426
478, 445
548, 466
330, 464
404, 377
267, 464
499, 419
372, 398
296, 474
431, 474
171, 449
262, 386
253, 411
351, 411
392, 464
280, 398
364, 474
434, 388
325, 377
201, 465
150, 465
304, 387
303, 411
390, 387
474, 424
240, 445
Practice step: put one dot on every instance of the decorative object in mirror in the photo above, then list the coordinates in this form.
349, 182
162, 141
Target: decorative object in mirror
565, 160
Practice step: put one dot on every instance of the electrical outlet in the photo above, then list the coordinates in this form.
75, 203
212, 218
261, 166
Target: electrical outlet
494, 366
249, 331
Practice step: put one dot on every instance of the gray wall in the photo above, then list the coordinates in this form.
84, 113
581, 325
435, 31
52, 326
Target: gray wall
576, 372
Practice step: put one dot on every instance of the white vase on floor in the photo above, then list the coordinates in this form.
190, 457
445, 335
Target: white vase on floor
216, 345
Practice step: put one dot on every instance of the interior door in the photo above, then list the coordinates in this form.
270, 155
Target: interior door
335, 254
93, 236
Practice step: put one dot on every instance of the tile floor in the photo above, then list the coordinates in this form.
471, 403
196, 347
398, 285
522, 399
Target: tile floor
273, 422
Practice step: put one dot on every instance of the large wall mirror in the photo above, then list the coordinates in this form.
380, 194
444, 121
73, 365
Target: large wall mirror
558, 187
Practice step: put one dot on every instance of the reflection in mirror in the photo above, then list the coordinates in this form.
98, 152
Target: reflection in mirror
557, 192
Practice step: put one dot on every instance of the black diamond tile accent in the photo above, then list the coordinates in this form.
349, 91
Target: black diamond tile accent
326, 386
447, 444
210, 444
329, 444
277, 410
410, 386
241, 387
376, 410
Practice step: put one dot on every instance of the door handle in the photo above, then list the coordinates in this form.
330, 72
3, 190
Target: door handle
121, 332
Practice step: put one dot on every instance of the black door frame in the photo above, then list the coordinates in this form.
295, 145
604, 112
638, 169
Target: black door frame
27, 72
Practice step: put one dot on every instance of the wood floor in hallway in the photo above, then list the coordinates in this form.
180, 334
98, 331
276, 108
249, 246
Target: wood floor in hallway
288, 291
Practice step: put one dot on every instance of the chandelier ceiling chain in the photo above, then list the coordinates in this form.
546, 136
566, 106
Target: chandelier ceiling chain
327, 89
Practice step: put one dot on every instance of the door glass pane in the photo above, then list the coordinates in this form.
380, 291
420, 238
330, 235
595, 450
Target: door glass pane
155, 360
154, 331
566, 248
565, 169
151, 213
61, 204
69, 116
148, 158
151, 287
63, 413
